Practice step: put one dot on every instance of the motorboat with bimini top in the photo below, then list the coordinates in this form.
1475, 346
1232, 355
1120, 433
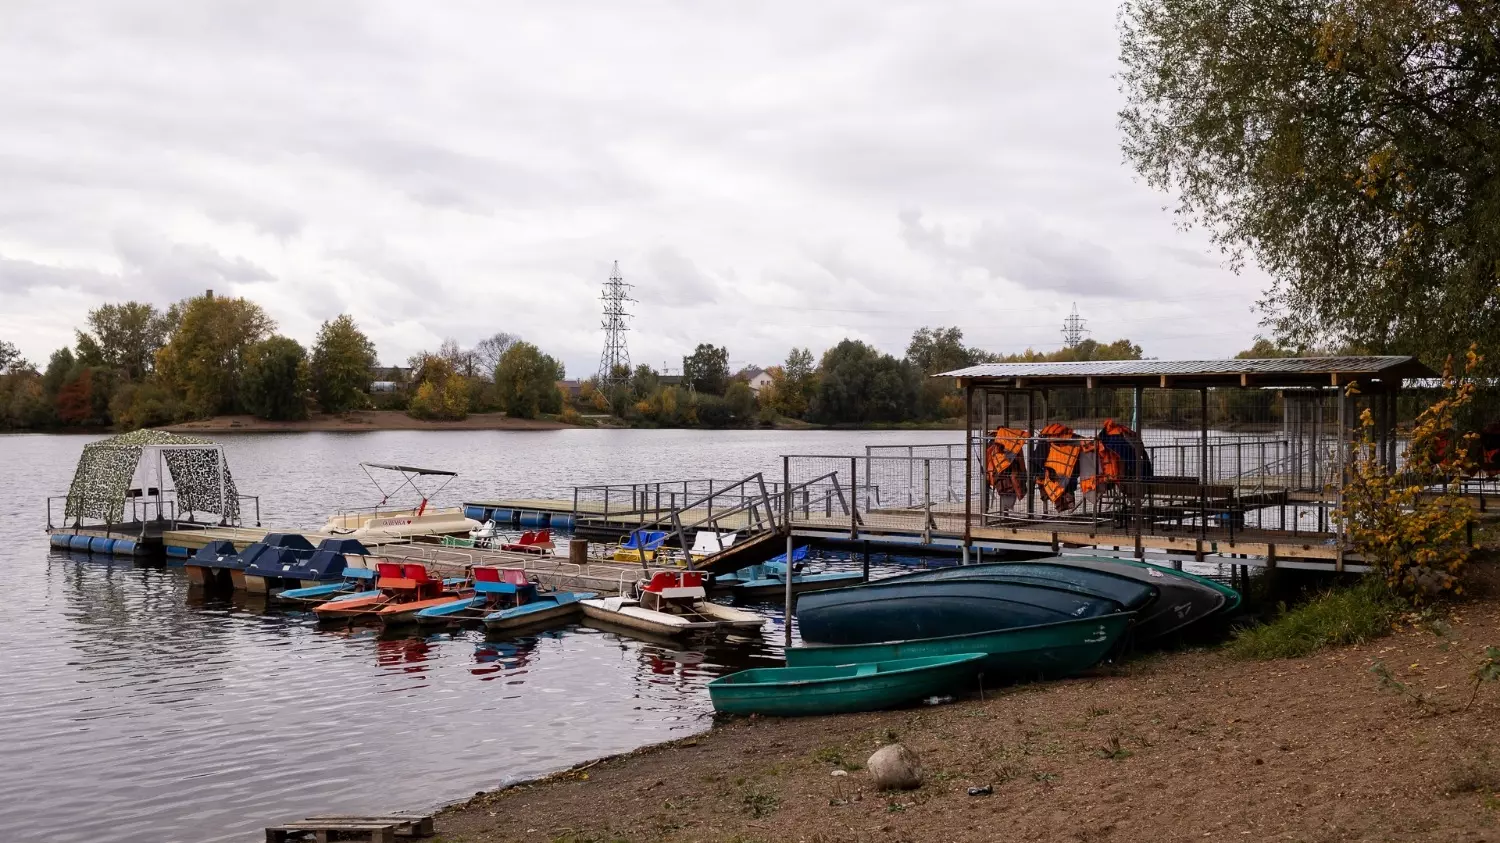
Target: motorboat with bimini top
383, 523
670, 603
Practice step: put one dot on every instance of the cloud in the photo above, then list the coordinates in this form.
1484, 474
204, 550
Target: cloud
458, 170
676, 279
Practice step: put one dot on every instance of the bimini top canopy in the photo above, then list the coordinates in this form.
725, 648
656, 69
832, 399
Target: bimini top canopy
144, 463
409, 469
1191, 374
409, 475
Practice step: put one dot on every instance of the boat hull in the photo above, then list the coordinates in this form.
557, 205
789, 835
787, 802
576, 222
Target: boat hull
398, 614
315, 593
453, 611
775, 589
555, 613
798, 691
1185, 598
352, 607
707, 617
1023, 653
875, 612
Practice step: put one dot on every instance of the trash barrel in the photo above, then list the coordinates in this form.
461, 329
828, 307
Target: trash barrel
578, 551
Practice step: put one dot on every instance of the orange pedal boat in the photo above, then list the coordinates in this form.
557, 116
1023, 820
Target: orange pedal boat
403, 590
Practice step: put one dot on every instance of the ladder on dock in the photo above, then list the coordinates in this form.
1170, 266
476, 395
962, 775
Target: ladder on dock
752, 508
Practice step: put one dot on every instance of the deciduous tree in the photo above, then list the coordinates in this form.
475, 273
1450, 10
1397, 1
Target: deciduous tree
1352, 147
707, 369
343, 364
526, 380
124, 337
205, 357
275, 380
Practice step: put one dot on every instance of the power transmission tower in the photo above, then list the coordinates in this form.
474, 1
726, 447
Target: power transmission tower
1073, 329
616, 357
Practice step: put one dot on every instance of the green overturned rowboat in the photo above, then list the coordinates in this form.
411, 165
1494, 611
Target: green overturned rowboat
839, 689
1042, 651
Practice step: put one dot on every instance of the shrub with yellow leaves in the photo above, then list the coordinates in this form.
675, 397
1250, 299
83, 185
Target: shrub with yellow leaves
1412, 524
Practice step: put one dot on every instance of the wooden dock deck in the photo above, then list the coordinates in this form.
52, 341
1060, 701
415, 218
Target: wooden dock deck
603, 576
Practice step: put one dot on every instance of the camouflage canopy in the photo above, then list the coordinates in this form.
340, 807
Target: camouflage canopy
105, 471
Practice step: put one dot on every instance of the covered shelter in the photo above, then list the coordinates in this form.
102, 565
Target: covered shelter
1237, 450
151, 476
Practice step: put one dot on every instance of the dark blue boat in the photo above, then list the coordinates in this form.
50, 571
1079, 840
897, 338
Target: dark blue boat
1133, 594
1180, 598
1185, 598
271, 559
908, 610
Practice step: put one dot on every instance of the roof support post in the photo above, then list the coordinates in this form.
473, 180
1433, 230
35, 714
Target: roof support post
968, 462
1030, 469
1203, 435
984, 433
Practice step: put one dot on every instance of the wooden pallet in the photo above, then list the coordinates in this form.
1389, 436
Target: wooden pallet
383, 829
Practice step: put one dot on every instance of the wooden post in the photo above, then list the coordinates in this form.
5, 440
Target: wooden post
788, 575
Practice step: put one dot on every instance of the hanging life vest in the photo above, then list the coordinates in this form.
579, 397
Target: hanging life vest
1058, 479
1005, 464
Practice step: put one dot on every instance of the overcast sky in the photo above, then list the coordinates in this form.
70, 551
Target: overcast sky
767, 174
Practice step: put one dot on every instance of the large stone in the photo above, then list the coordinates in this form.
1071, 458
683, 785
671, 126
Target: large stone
894, 767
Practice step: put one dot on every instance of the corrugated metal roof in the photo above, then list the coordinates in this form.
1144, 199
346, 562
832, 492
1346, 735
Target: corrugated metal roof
1391, 366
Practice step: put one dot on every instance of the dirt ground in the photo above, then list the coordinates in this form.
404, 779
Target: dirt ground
1376, 742
360, 421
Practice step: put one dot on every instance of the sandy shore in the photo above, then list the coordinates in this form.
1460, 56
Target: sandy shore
1174, 747
364, 420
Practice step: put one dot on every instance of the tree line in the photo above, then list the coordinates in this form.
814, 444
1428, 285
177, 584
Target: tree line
852, 383
134, 365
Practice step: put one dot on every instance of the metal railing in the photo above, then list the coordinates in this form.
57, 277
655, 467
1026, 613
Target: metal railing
1184, 496
144, 511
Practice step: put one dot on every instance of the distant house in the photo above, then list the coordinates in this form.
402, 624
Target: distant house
757, 377
384, 386
572, 386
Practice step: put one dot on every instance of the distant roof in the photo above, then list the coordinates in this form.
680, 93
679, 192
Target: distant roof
410, 469
1280, 371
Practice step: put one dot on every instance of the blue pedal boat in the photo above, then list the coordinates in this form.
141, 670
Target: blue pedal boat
297, 564
211, 564
551, 608
768, 581
270, 547
501, 593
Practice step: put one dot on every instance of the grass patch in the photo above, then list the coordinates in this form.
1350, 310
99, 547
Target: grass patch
1351, 615
759, 803
835, 756
1476, 774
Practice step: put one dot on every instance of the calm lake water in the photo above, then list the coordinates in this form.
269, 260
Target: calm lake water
134, 710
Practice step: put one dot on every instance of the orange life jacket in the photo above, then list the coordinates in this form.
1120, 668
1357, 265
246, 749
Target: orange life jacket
1005, 462
1059, 473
